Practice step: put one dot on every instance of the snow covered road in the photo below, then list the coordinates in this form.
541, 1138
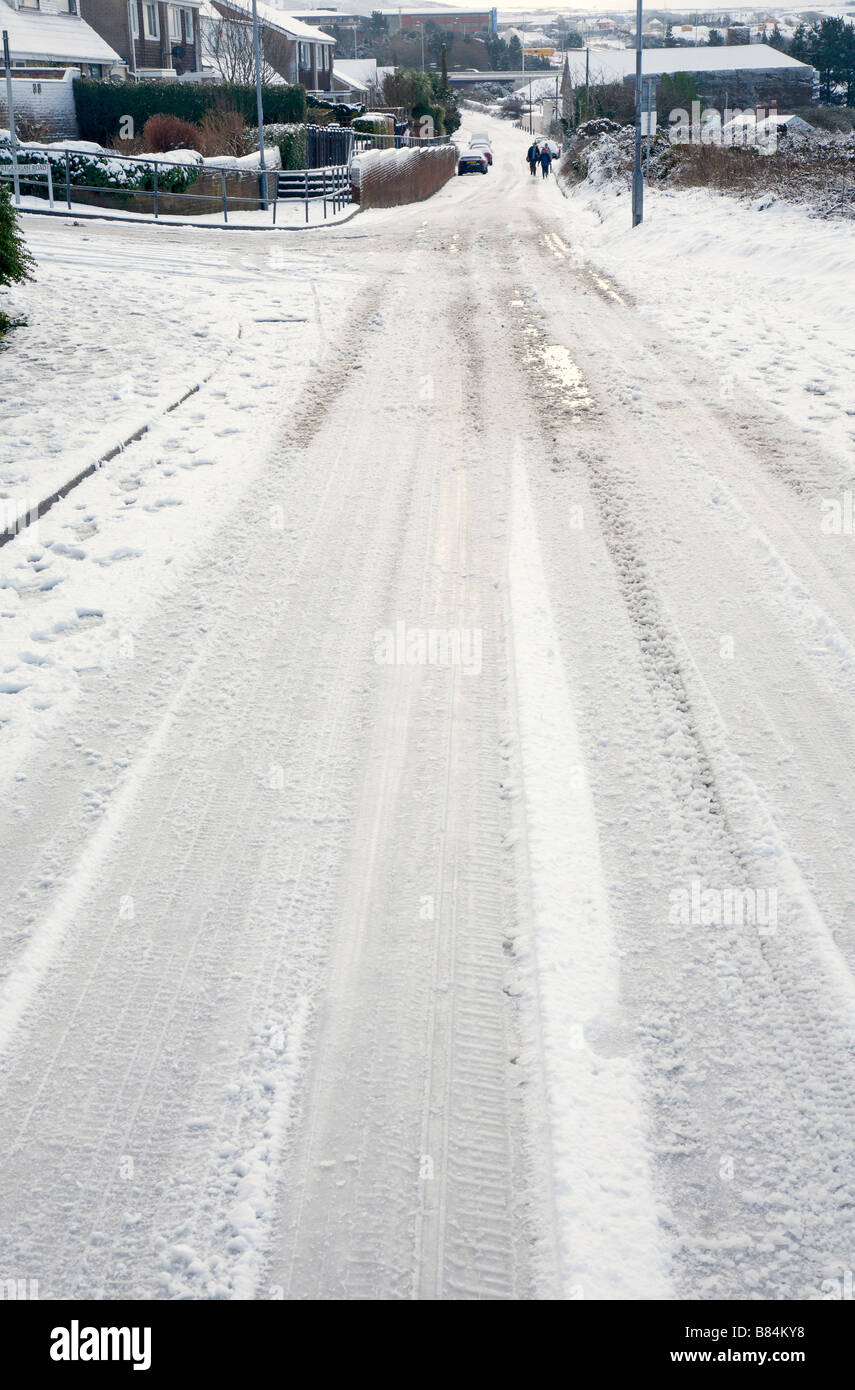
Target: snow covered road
429, 877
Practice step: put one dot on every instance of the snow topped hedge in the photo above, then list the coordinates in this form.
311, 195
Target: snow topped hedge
91, 165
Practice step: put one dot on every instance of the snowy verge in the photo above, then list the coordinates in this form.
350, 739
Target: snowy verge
762, 292
77, 584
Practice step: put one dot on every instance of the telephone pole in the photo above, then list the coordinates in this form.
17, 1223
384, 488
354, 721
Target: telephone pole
256, 48
10, 102
637, 175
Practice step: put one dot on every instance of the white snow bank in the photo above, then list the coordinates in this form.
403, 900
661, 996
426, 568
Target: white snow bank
272, 160
179, 157
762, 291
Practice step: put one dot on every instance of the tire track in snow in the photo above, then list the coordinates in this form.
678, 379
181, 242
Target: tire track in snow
610, 1245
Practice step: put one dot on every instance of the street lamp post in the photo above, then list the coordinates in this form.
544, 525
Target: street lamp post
256, 47
637, 175
10, 102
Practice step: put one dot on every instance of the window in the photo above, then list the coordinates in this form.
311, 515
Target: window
151, 22
174, 23
135, 19
188, 25
305, 56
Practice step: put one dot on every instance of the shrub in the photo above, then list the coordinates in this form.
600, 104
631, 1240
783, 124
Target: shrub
364, 126
292, 147
224, 132
163, 132
101, 106
16, 263
29, 128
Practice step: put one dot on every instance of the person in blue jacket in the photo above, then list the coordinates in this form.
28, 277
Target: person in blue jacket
545, 161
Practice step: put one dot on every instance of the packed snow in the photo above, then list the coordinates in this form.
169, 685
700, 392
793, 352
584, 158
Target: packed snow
348, 976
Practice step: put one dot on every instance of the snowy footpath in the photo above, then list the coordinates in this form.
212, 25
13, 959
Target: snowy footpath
426, 755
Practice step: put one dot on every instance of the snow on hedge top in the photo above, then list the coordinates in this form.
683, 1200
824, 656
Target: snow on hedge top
63, 37
614, 64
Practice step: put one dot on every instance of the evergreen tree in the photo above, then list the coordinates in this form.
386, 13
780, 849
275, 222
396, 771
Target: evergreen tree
831, 48
16, 263
776, 40
443, 70
801, 44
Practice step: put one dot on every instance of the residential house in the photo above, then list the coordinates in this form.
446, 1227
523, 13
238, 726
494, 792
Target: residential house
155, 39
296, 51
49, 45
52, 34
356, 79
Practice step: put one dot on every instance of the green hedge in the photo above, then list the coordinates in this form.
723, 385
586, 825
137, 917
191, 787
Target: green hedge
363, 126
292, 148
101, 105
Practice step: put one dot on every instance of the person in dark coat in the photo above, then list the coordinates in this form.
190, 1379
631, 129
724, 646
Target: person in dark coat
545, 161
533, 156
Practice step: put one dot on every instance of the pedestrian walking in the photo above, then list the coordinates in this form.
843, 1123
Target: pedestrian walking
533, 155
545, 161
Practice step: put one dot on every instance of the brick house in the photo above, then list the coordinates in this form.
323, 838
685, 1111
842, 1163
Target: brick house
52, 34
155, 39
298, 52
49, 45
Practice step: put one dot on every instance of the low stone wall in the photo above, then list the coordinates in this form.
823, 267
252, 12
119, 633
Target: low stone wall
389, 178
45, 101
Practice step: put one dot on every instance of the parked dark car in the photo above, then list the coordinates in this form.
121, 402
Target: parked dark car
472, 162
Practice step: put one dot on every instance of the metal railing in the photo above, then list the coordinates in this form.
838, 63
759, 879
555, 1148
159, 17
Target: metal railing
330, 187
262, 186
363, 140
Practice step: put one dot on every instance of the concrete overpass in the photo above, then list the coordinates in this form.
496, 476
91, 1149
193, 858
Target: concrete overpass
462, 80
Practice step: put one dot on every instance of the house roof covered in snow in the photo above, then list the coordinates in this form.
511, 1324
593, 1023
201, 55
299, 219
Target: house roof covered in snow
53, 37
614, 64
277, 20
362, 71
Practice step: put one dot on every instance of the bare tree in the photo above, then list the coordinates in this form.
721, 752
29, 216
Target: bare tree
228, 48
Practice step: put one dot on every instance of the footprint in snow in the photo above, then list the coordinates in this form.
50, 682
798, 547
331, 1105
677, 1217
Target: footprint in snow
124, 552
162, 502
